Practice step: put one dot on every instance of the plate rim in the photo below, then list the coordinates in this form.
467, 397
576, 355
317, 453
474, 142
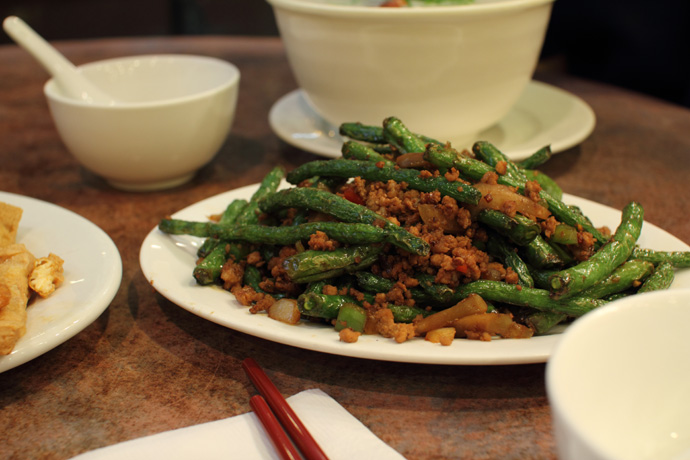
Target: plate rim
63, 329
542, 345
329, 133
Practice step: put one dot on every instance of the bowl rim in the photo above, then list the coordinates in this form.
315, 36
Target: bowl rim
555, 393
50, 87
361, 11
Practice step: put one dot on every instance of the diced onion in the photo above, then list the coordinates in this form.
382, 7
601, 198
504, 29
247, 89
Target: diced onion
285, 310
432, 216
495, 196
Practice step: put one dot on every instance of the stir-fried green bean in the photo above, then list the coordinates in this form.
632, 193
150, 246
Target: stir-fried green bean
519, 231
678, 259
315, 265
345, 211
660, 279
537, 159
397, 134
445, 158
230, 215
349, 233
342, 255
584, 275
357, 151
208, 270
498, 247
367, 170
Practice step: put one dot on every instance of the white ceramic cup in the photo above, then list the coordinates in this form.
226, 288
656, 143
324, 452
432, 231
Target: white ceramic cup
618, 381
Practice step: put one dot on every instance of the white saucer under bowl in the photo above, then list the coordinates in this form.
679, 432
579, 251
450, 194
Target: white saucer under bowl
543, 115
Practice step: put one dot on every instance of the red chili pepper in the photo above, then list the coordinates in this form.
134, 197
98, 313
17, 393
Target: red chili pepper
350, 195
462, 268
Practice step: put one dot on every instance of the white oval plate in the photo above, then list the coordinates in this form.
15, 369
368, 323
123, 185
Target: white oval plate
167, 262
93, 272
544, 115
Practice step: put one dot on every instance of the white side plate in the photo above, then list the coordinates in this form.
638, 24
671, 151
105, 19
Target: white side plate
93, 272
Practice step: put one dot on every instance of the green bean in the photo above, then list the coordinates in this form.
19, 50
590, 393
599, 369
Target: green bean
520, 232
252, 277
616, 251
542, 255
489, 154
565, 214
445, 158
208, 270
317, 305
547, 184
369, 282
348, 233
540, 299
541, 277
343, 210
406, 314
362, 132
316, 287
625, 276
661, 279
230, 215
372, 134
679, 259
312, 265
327, 307
518, 178
351, 315
619, 295
499, 248
356, 151
492, 156
268, 185
499, 291
440, 293
397, 134
564, 234
541, 322
537, 159
371, 171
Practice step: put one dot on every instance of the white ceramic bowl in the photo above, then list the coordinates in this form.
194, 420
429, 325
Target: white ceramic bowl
619, 381
448, 72
173, 114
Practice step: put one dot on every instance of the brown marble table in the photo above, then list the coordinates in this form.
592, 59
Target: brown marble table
146, 366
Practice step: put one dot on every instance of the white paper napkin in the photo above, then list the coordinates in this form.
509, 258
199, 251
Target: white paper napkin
340, 435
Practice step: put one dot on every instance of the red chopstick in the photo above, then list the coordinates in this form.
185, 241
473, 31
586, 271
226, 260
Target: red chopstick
279, 438
293, 425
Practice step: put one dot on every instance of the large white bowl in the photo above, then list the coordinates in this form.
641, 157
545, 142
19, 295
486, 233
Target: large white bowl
619, 381
173, 114
447, 71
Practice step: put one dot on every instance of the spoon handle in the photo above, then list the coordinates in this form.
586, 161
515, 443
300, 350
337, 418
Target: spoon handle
54, 62
72, 82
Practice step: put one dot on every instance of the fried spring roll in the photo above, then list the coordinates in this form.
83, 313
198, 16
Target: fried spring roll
15, 265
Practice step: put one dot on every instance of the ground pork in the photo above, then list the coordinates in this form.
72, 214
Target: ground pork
454, 237
387, 327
